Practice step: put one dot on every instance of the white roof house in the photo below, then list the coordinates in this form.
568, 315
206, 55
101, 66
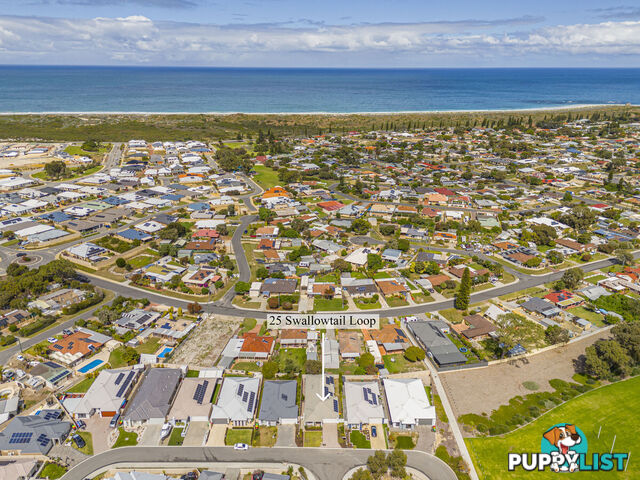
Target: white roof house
408, 403
237, 401
359, 256
362, 403
107, 393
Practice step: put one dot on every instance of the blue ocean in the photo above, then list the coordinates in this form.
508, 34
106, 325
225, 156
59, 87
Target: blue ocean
261, 90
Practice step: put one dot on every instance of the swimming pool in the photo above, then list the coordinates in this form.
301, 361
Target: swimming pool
90, 366
164, 352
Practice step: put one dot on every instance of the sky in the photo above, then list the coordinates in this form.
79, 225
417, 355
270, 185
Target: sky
328, 33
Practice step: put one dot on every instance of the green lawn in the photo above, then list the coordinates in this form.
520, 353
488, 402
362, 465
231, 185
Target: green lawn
358, 439
367, 306
297, 355
398, 364
88, 440
595, 278
176, 438
381, 275
328, 277
452, 314
329, 305
82, 386
238, 435
404, 442
266, 177
126, 439
151, 345
77, 150
609, 407
396, 302
140, 261
590, 315
246, 366
422, 298
52, 471
265, 436
312, 438
248, 324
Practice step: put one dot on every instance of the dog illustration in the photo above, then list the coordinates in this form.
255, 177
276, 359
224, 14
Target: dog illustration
563, 438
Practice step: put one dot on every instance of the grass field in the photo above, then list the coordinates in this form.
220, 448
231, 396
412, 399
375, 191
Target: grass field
399, 364
126, 439
52, 471
266, 177
312, 438
613, 407
329, 304
176, 438
238, 435
88, 440
593, 317
265, 436
82, 386
358, 439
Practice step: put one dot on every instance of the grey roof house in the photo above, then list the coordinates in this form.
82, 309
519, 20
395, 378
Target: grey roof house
33, 434
438, 346
153, 399
278, 404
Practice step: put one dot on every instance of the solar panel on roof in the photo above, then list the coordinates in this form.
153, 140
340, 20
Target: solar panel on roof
119, 378
252, 399
240, 389
335, 405
244, 396
43, 440
123, 387
21, 437
52, 415
374, 400
326, 391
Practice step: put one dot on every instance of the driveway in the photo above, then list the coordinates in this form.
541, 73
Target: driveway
286, 436
426, 439
330, 435
378, 442
216, 435
197, 434
151, 435
99, 429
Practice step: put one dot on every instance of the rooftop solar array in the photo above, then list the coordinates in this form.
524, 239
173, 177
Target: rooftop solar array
119, 378
201, 389
335, 405
21, 437
125, 384
252, 399
369, 396
43, 440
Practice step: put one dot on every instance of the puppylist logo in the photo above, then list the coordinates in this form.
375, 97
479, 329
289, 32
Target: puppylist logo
564, 449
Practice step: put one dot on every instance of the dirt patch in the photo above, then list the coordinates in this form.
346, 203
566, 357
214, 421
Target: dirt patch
203, 346
482, 390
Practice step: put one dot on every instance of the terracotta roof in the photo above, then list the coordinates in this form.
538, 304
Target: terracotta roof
390, 287
257, 343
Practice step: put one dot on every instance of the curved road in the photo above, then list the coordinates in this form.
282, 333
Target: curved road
324, 463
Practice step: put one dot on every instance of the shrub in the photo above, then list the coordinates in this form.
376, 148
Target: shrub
120, 262
414, 354
531, 385
287, 305
273, 302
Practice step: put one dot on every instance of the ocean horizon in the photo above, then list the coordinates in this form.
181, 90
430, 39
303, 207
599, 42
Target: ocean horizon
193, 90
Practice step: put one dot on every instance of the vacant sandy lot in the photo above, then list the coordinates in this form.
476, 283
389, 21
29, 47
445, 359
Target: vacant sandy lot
483, 390
202, 347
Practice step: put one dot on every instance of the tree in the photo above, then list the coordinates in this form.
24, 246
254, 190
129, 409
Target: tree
396, 461
360, 226
580, 218
269, 369
242, 287
273, 302
374, 261
414, 354
130, 356
464, 291
594, 365
361, 474
624, 257
556, 334
341, 265
262, 273
572, 277
366, 360
555, 257
513, 329
377, 464
120, 262
628, 336
194, 308
56, 169
533, 262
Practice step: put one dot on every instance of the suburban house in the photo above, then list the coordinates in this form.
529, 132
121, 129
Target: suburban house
193, 400
431, 335
390, 338
541, 306
278, 286
362, 404
293, 337
237, 401
137, 319
153, 399
32, 435
564, 299
317, 412
350, 344
256, 346
106, 395
391, 287
475, 327
53, 303
358, 287
72, 348
408, 403
278, 404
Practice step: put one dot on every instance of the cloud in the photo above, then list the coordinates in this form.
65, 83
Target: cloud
140, 40
101, 3
624, 12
